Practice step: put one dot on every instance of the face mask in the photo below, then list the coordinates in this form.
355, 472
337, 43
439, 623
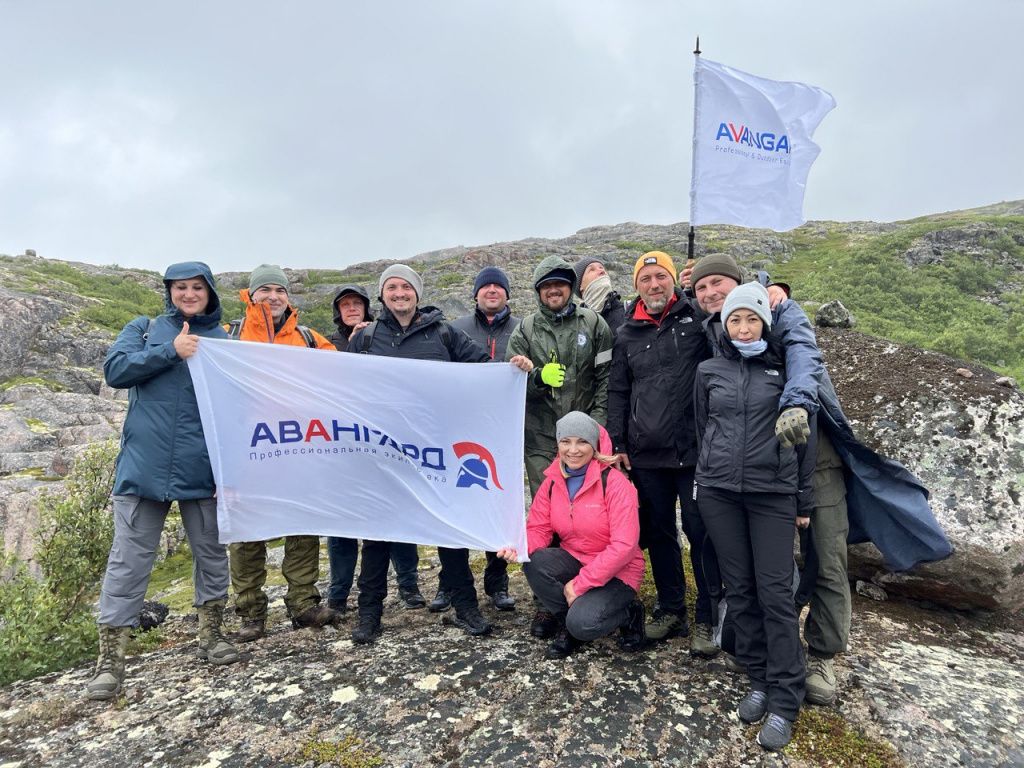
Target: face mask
595, 294
750, 348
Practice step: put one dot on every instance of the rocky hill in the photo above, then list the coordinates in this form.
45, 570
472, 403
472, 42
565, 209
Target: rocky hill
923, 687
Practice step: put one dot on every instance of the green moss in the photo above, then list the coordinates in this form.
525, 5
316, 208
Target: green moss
146, 642
37, 426
634, 245
451, 278
171, 582
349, 752
17, 381
822, 737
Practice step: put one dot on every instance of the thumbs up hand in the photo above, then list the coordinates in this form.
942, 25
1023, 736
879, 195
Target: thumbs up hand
184, 344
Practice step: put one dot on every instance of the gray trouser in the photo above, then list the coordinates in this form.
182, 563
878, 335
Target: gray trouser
137, 526
595, 613
827, 628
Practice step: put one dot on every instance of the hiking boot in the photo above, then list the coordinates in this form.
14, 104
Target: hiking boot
470, 620
664, 625
701, 643
503, 601
412, 598
212, 645
442, 602
734, 666
367, 630
544, 625
109, 675
753, 707
252, 629
316, 616
563, 645
821, 681
775, 733
341, 606
631, 634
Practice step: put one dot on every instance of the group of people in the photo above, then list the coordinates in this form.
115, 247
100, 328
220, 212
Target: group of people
704, 389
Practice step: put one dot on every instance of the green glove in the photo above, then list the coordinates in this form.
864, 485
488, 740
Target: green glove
553, 374
791, 427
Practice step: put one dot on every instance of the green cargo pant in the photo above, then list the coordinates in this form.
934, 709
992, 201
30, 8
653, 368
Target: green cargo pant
827, 628
300, 568
536, 464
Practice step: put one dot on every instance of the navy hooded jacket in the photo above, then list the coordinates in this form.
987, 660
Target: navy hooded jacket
163, 450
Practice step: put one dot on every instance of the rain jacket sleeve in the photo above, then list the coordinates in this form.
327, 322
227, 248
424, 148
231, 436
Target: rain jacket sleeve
624, 526
518, 344
804, 367
619, 387
538, 523
130, 362
602, 369
322, 342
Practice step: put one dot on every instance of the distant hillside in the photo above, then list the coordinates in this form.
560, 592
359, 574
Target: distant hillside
949, 282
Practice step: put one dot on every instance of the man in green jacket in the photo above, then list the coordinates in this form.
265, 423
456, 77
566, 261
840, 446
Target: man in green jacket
570, 347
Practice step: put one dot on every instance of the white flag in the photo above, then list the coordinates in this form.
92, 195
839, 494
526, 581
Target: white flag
313, 442
752, 147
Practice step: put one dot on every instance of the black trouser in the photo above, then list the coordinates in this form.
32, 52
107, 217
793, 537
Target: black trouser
753, 536
659, 489
595, 613
455, 578
495, 574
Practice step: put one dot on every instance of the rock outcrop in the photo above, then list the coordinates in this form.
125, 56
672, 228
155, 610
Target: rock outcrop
964, 437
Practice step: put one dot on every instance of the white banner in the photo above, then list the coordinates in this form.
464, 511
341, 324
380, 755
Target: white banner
752, 147
327, 443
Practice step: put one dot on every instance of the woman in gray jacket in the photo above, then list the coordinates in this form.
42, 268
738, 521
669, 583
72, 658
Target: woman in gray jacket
751, 491
163, 459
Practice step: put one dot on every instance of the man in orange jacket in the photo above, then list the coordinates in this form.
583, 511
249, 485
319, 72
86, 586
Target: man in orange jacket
270, 318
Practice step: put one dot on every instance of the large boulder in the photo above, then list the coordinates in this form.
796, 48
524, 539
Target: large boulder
964, 437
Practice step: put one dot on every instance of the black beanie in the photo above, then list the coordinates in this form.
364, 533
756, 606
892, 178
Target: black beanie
489, 275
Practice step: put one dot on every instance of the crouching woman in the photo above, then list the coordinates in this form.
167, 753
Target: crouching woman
590, 580
163, 458
750, 492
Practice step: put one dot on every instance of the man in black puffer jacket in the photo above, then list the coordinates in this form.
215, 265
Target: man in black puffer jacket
404, 329
650, 420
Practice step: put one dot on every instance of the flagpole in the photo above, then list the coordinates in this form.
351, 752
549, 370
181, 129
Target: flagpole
690, 261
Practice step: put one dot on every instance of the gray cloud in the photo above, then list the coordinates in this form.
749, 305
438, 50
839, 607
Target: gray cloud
319, 134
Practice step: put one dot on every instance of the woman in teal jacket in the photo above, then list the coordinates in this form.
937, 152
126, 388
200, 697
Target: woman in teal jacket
163, 459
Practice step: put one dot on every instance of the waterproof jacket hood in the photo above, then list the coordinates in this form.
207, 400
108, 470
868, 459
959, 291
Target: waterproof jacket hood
344, 332
558, 265
183, 271
163, 452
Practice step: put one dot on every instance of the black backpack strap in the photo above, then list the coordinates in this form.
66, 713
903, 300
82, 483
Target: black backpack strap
367, 337
307, 336
149, 329
235, 328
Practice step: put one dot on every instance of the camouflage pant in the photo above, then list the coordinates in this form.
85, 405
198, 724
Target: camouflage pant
300, 568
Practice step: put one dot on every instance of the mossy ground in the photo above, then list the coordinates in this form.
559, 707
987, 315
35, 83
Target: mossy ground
347, 752
823, 738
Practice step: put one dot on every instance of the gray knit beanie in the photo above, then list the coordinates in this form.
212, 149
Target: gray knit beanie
406, 273
267, 274
578, 424
716, 264
581, 266
752, 296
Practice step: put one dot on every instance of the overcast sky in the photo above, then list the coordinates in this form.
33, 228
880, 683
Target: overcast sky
319, 134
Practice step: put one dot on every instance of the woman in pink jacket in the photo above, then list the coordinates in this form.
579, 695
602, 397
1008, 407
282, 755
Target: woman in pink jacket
589, 582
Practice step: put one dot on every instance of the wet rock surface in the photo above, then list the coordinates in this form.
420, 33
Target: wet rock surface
964, 437
943, 689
